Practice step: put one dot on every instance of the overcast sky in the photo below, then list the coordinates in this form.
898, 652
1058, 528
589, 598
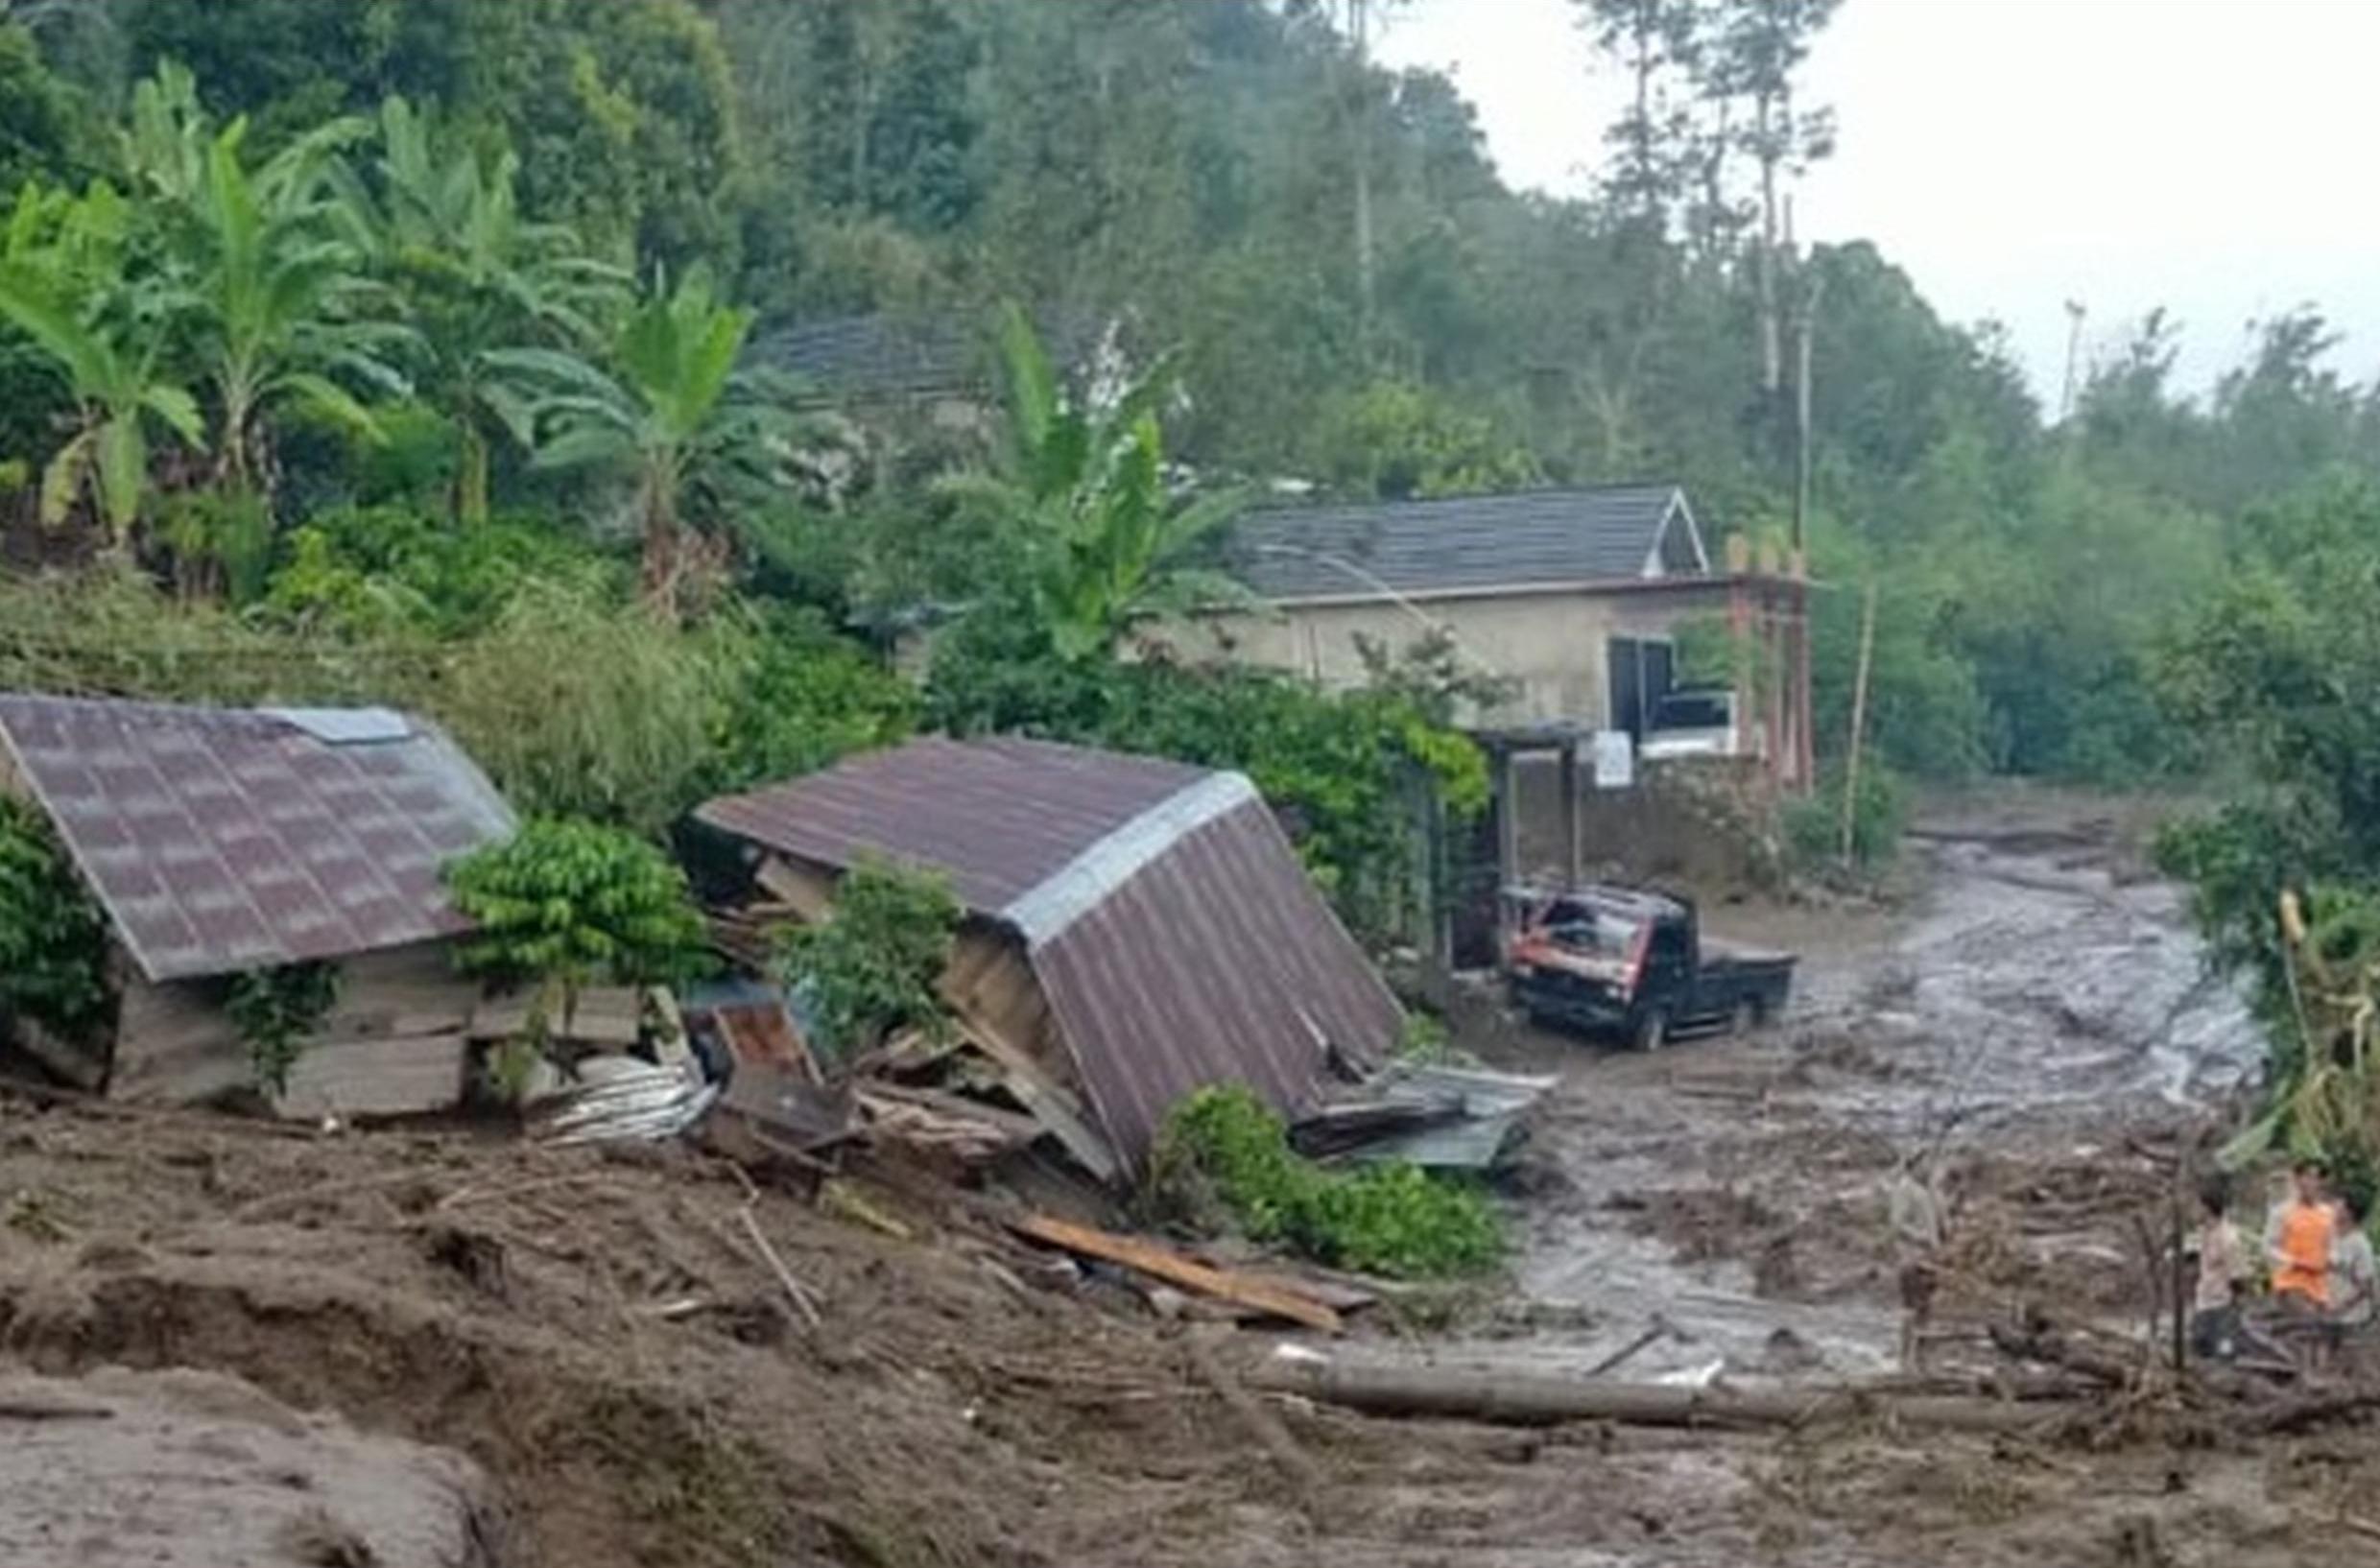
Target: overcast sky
2206, 155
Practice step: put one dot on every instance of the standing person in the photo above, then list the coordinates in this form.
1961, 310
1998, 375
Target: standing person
2224, 1271
2354, 1275
2297, 1238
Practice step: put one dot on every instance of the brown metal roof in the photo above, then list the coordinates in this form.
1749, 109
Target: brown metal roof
1178, 939
1216, 963
999, 816
223, 840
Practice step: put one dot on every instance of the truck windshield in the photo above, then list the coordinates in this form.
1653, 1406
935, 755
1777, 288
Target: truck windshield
1691, 710
1586, 928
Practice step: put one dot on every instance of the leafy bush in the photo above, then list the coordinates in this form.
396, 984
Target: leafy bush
1814, 824
274, 1010
395, 568
570, 904
53, 938
579, 706
1389, 1218
796, 697
872, 965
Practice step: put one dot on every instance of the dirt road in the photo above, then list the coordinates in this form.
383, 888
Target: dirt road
2037, 1002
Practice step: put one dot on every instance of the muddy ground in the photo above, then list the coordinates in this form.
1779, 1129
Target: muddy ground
599, 1333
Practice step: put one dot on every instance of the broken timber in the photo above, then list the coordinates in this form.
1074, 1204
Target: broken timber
1519, 1399
1163, 1263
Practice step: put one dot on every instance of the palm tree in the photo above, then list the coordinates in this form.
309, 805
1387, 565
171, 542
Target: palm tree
62, 285
447, 226
671, 412
1087, 477
274, 298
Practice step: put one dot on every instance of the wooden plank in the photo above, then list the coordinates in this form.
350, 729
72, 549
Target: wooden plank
377, 1078
175, 1045
611, 1015
408, 991
1050, 1103
807, 891
1163, 1263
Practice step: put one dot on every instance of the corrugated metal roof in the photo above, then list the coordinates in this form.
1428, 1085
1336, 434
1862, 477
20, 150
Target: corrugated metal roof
1219, 964
1525, 539
1189, 947
221, 839
999, 816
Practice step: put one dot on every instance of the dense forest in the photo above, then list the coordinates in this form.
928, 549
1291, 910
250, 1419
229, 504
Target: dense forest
393, 347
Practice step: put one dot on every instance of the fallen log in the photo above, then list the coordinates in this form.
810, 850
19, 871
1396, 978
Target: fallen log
1164, 1263
1519, 1399
2051, 1349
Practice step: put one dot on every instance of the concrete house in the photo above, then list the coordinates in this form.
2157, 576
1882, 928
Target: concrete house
1573, 597
220, 841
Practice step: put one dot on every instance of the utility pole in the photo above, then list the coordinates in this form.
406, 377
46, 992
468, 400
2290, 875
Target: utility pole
1359, 28
2076, 311
1805, 750
1859, 725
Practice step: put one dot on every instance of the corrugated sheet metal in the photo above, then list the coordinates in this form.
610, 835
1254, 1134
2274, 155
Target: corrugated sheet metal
1219, 964
1000, 816
223, 840
1471, 541
1209, 958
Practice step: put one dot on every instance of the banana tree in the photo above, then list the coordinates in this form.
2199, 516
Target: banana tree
1107, 536
444, 223
63, 288
671, 413
273, 298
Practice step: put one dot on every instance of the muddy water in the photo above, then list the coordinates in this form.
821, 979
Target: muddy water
2031, 1003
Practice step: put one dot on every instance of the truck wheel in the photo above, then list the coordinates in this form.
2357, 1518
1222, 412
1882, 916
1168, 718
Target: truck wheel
1653, 1031
1750, 1016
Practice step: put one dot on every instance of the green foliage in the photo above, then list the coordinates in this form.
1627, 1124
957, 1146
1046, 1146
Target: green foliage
274, 1010
2274, 669
53, 938
1392, 1219
1103, 535
393, 569
571, 904
798, 698
671, 413
579, 706
1396, 441
872, 965
1879, 812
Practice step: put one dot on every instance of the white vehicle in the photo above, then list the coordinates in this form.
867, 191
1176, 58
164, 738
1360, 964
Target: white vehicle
1696, 721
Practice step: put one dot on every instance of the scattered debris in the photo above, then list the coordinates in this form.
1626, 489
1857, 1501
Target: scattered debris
622, 1099
1162, 1262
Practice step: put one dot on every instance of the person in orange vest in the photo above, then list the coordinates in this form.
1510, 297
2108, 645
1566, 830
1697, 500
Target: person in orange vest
2297, 1238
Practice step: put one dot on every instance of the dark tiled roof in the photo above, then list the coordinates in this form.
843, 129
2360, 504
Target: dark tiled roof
1525, 539
223, 839
1178, 939
888, 356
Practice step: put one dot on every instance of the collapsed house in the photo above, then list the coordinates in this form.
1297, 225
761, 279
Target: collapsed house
1136, 929
220, 842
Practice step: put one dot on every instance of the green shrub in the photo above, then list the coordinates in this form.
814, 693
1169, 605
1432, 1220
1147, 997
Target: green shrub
1226, 1146
567, 905
1814, 824
53, 938
872, 965
274, 1010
